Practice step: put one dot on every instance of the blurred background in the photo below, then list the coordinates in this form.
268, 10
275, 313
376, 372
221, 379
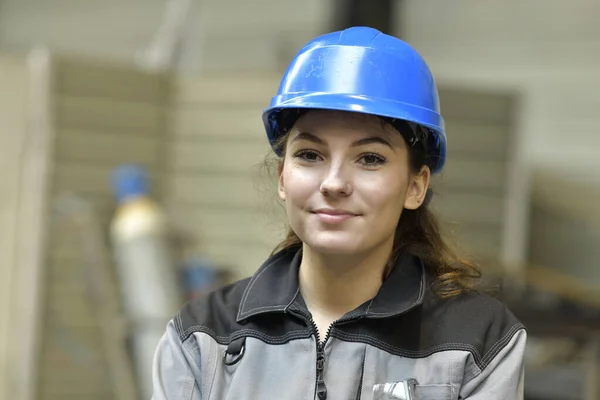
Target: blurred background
131, 141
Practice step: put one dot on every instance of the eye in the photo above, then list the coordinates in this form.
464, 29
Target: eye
308, 155
371, 160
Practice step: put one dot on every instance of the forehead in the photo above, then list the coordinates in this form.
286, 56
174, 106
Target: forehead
351, 125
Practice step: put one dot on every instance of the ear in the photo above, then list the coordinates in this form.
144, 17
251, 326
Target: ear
417, 189
280, 188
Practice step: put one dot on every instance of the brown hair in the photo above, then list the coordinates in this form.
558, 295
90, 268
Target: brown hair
418, 231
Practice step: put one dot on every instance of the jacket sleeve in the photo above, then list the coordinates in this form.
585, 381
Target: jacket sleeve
176, 369
503, 377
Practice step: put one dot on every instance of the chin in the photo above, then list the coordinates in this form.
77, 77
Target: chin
335, 244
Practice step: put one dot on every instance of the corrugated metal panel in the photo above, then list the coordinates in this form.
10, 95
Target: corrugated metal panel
105, 115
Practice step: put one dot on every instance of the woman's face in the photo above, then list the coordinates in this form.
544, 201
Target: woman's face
345, 180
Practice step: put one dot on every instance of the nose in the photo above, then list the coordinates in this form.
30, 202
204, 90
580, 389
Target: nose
335, 183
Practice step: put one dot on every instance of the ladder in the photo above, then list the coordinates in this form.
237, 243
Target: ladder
82, 215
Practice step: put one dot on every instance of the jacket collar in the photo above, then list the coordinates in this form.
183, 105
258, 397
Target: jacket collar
274, 287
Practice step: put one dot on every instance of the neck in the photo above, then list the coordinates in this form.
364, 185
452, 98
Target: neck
334, 285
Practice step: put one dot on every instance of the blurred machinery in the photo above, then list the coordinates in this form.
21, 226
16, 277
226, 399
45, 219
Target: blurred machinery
146, 268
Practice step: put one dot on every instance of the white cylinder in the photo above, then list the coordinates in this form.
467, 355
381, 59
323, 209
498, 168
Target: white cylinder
147, 274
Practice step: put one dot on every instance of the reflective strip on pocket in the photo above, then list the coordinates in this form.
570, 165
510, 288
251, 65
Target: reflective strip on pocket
411, 390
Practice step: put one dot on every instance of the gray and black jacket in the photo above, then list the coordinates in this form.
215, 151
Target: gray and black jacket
255, 339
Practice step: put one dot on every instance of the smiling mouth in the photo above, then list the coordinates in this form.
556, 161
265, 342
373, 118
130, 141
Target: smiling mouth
334, 216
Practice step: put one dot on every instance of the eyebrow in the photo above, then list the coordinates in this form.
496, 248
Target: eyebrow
360, 142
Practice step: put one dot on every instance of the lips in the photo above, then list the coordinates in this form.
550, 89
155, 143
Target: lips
334, 215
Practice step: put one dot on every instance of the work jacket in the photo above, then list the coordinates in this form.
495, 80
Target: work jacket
256, 340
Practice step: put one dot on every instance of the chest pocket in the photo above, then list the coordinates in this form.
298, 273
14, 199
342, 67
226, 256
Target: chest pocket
411, 390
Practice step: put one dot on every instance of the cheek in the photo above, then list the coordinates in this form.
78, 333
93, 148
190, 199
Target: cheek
385, 192
298, 184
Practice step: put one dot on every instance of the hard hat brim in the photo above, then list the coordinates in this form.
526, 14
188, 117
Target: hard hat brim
361, 104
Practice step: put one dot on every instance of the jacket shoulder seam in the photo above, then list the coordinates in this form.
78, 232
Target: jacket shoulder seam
500, 344
482, 361
409, 353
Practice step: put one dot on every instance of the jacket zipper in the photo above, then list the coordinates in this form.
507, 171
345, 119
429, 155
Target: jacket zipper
320, 386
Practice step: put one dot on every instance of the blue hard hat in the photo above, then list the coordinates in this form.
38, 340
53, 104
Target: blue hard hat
361, 69
130, 181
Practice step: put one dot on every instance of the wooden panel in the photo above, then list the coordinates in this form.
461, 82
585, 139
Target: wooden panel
486, 108
239, 123
253, 227
220, 191
242, 259
107, 147
483, 140
487, 175
473, 208
81, 178
221, 156
108, 114
479, 241
94, 79
70, 301
237, 90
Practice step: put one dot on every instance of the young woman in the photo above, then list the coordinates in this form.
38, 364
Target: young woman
363, 299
